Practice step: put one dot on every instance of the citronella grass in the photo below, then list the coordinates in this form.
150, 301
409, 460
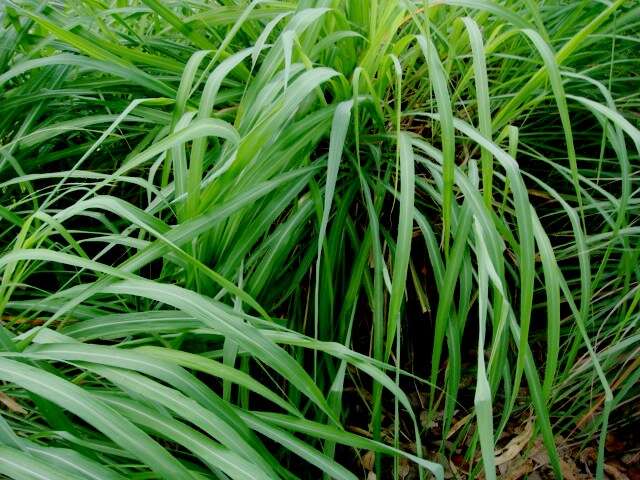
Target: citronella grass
260, 239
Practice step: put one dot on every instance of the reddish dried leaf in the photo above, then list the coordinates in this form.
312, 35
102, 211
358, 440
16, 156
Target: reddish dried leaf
614, 445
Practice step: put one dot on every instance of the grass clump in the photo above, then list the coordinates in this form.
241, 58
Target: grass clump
261, 239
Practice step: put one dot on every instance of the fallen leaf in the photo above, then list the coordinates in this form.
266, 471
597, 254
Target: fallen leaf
539, 454
614, 472
404, 469
524, 468
459, 424
613, 444
631, 458
588, 456
569, 470
515, 445
368, 460
11, 404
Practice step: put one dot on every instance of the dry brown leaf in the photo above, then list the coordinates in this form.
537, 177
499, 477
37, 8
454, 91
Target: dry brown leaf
569, 470
518, 471
15, 319
614, 472
539, 454
458, 425
368, 460
515, 445
588, 456
613, 444
631, 458
11, 404
404, 469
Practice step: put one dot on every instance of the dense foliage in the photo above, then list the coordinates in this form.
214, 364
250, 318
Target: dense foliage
259, 240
